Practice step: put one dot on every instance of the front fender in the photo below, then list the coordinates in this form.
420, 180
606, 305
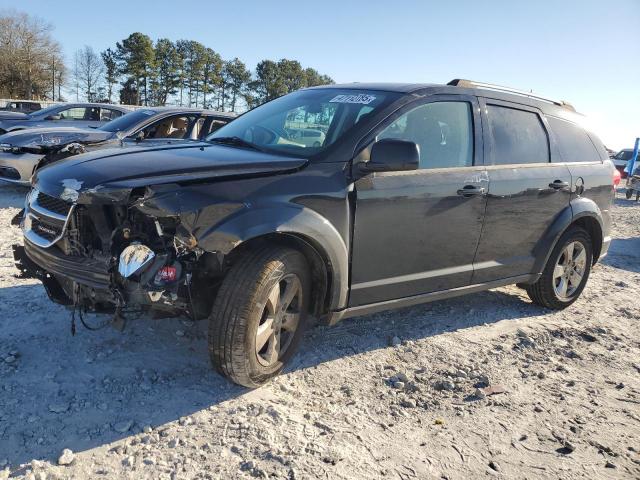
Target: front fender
251, 223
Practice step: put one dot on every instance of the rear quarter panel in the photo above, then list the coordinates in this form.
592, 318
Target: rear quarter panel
593, 181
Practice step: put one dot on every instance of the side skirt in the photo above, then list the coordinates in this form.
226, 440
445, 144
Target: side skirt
335, 317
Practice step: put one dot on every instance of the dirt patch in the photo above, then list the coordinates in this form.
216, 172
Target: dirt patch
485, 385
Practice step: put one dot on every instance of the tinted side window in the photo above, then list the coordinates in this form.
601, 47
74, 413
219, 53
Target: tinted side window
77, 113
518, 136
443, 130
107, 114
573, 142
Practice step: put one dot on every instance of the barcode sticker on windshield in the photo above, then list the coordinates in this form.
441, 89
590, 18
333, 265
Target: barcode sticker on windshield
359, 98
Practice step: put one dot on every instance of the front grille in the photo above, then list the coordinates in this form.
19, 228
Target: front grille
53, 204
46, 230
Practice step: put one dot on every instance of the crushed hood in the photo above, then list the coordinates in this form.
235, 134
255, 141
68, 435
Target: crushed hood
52, 136
109, 175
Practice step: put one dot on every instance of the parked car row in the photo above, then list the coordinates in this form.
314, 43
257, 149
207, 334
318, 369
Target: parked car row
25, 150
66, 114
323, 204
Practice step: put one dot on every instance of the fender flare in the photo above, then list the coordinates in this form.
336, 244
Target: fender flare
255, 222
577, 208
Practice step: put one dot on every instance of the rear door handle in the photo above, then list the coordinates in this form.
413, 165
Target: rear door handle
471, 191
558, 184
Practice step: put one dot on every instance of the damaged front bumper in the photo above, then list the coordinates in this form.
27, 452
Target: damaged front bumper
94, 285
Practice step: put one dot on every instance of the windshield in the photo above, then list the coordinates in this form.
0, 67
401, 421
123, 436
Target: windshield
127, 121
624, 155
302, 123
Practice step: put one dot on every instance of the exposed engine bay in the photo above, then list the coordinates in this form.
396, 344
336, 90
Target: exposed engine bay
115, 259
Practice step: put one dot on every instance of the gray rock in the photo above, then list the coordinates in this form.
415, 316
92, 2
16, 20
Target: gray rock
408, 403
179, 333
399, 385
10, 359
4, 462
479, 393
123, 427
395, 341
402, 377
59, 407
67, 457
445, 385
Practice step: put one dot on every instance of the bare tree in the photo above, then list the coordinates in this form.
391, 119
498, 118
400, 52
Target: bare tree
26, 50
88, 71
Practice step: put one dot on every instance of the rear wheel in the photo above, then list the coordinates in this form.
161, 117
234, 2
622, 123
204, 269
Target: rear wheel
566, 272
628, 193
259, 315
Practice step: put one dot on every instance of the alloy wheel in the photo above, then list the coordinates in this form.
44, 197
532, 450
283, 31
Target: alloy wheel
280, 320
569, 270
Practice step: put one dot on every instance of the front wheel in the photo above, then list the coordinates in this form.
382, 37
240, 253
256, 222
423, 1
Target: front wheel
566, 272
259, 314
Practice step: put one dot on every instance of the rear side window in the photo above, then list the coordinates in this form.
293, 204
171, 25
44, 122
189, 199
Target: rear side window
573, 142
518, 136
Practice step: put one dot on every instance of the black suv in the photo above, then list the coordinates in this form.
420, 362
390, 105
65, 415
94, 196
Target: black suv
412, 193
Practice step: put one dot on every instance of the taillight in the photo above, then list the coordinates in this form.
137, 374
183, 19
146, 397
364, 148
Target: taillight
616, 177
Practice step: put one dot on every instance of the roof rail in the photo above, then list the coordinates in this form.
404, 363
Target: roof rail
459, 82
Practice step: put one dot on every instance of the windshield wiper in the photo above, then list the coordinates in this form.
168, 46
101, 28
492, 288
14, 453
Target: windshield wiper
237, 141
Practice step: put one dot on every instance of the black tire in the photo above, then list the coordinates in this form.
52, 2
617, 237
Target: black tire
543, 291
240, 308
628, 193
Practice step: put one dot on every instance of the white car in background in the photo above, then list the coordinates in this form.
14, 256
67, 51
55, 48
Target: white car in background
308, 137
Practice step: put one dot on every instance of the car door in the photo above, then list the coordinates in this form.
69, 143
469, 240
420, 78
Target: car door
417, 231
527, 191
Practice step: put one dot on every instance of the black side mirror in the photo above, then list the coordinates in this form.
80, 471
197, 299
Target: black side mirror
391, 155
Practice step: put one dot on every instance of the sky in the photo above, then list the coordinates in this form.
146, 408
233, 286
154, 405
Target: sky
586, 52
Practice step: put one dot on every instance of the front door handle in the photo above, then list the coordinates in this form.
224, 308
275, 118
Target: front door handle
558, 184
471, 191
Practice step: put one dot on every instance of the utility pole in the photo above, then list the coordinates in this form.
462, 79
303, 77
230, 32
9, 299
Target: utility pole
53, 78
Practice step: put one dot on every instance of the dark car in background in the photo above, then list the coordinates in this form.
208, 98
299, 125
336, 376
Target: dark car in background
23, 151
414, 193
64, 114
24, 106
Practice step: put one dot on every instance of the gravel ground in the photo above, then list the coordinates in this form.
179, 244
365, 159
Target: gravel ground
486, 385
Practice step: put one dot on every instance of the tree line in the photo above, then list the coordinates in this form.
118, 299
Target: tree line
139, 71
